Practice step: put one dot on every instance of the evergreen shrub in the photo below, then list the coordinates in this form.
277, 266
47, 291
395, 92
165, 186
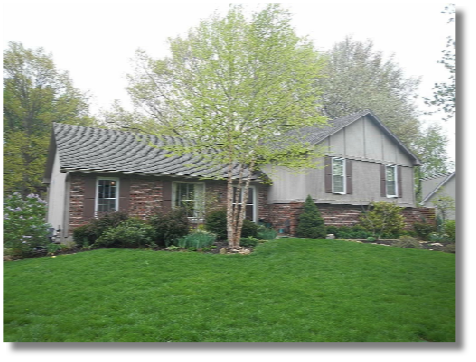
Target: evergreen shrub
311, 224
216, 222
131, 233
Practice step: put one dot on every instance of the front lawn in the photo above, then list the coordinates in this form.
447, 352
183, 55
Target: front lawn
288, 290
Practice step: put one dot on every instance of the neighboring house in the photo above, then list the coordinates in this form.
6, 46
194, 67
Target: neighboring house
93, 170
439, 185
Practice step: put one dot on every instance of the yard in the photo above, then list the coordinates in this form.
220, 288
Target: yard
287, 290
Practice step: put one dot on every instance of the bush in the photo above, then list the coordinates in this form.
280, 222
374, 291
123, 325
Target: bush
383, 219
24, 227
347, 232
423, 229
265, 233
311, 224
450, 230
198, 239
248, 242
131, 233
88, 234
169, 226
407, 242
216, 222
450, 248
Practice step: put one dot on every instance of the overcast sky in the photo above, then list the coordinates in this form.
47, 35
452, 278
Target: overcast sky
95, 41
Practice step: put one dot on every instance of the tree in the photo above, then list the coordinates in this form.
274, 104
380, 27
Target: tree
35, 94
311, 224
231, 86
358, 77
444, 94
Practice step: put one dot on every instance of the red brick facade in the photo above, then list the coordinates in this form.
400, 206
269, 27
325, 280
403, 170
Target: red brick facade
147, 193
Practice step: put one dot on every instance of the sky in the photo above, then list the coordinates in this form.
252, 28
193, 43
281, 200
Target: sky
96, 41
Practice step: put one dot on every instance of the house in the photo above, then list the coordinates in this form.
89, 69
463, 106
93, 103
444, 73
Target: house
93, 170
439, 185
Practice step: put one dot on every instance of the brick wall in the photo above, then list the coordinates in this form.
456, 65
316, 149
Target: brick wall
145, 195
285, 216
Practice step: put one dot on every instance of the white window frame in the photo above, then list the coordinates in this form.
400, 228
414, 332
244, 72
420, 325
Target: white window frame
344, 190
395, 175
198, 209
255, 201
96, 197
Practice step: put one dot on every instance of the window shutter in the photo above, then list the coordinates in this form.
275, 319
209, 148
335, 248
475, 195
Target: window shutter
167, 195
399, 175
348, 176
328, 174
89, 197
383, 182
124, 190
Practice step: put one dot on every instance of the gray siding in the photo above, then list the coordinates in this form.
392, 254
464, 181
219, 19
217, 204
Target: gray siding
368, 147
448, 189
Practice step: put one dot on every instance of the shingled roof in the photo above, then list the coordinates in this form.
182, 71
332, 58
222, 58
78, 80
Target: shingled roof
89, 149
315, 135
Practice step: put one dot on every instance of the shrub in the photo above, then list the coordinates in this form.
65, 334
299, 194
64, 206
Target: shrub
89, 233
423, 229
383, 219
450, 248
131, 233
248, 242
311, 224
198, 239
407, 242
169, 226
265, 233
450, 230
216, 223
24, 227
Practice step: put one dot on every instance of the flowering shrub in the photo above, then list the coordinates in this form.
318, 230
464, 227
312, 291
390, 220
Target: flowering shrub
24, 227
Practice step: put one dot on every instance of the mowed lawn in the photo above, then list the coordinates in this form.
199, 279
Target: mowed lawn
287, 290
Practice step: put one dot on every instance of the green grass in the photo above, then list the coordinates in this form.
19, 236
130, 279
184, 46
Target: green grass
288, 290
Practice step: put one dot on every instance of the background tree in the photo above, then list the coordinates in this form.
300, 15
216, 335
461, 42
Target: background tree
233, 84
358, 77
35, 94
444, 94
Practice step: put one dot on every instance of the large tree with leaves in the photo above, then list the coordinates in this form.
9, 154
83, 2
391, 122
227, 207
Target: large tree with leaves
359, 77
232, 85
35, 94
444, 94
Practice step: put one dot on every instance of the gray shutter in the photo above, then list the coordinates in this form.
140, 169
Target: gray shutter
124, 191
348, 176
328, 174
399, 175
167, 195
383, 182
89, 206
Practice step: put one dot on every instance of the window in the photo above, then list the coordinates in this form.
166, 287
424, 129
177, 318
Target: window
189, 196
107, 195
391, 178
338, 175
251, 210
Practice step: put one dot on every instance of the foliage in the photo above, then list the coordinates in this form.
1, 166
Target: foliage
444, 205
130, 233
381, 86
383, 218
249, 242
169, 226
88, 234
450, 230
450, 248
216, 222
265, 233
35, 94
349, 232
24, 227
227, 78
198, 239
311, 224
407, 242
424, 229
444, 94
